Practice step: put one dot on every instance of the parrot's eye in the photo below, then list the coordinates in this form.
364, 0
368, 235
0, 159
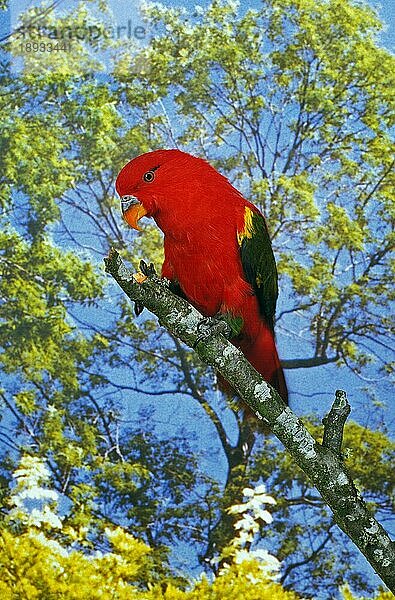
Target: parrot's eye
149, 176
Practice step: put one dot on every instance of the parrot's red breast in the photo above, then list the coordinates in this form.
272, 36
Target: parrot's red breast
217, 248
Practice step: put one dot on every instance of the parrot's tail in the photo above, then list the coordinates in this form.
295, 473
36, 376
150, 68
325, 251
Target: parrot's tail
262, 354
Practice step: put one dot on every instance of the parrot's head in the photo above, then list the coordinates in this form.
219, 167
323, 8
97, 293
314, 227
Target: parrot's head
139, 186
168, 185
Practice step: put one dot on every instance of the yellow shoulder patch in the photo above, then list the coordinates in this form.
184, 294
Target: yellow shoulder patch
248, 226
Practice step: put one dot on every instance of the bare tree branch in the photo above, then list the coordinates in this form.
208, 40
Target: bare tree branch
323, 466
304, 363
334, 423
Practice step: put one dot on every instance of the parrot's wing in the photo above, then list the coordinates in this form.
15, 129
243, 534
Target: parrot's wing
258, 262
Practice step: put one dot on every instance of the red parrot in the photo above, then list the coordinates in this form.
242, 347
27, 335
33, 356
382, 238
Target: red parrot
217, 247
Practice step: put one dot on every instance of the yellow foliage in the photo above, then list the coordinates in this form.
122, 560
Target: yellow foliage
31, 566
347, 595
240, 582
34, 567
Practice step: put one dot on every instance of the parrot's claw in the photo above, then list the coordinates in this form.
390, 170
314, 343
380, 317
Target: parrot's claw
147, 270
210, 326
139, 277
138, 308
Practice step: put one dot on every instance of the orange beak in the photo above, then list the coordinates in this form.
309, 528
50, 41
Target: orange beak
132, 211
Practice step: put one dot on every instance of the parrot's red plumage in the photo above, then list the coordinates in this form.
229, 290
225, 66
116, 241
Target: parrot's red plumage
217, 248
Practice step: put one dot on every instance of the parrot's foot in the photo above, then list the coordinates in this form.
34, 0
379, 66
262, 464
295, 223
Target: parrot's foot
140, 277
147, 270
210, 326
138, 307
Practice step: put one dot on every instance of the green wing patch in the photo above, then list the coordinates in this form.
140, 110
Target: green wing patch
258, 263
